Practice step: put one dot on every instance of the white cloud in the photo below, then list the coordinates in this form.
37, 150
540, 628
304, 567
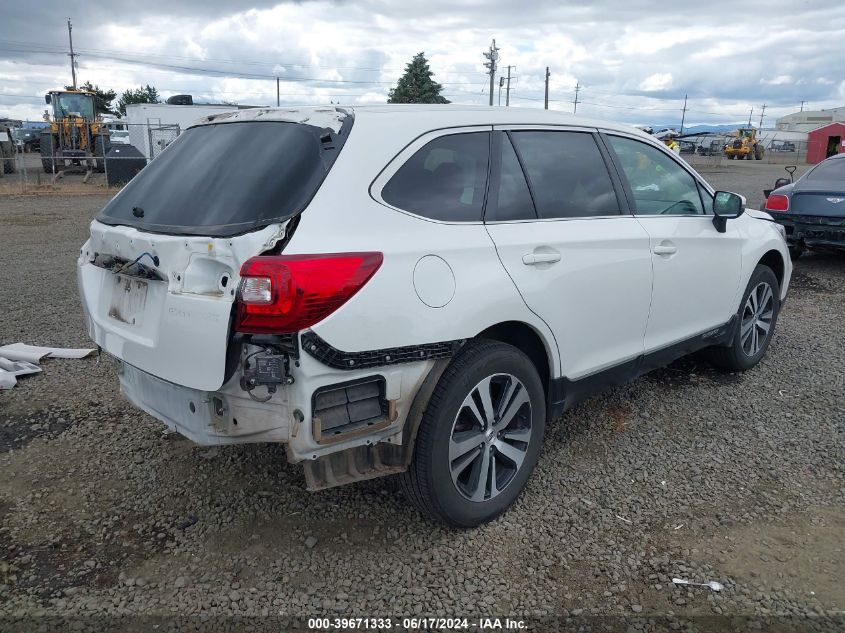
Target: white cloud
656, 82
633, 59
780, 80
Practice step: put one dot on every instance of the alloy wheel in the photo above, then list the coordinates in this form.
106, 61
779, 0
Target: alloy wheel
490, 437
756, 320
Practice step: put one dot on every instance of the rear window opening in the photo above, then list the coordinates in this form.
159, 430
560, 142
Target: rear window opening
225, 179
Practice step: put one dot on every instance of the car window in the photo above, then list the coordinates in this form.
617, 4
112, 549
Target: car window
828, 170
227, 178
514, 198
659, 184
445, 180
567, 174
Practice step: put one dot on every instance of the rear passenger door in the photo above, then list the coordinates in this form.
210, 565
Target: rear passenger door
562, 231
696, 268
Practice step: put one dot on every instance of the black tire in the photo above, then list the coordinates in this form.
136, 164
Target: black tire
796, 250
758, 152
737, 356
428, 482
47, 150
101, 147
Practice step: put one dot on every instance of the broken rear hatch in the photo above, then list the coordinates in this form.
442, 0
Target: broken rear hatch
158, 277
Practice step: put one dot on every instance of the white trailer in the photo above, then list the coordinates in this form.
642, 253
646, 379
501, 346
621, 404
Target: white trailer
153, 126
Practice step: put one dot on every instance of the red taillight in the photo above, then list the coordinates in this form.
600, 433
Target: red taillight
279, 294
777, 202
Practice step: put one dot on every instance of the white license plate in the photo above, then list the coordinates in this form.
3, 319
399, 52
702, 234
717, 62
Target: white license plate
129, 296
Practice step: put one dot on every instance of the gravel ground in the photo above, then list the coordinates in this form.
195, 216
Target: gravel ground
686, 472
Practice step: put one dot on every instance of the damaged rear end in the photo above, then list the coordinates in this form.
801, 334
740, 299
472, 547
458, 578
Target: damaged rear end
160, 277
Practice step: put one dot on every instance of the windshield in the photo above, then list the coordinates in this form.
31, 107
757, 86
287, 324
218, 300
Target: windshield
79, 104
228, 178
829, 170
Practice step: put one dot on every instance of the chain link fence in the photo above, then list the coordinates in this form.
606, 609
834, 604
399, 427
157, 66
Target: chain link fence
778, 149
25, 168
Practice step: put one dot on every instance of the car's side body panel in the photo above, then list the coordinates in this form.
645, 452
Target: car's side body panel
439, 279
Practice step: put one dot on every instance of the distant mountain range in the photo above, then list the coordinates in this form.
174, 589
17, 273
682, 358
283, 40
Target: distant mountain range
700, 129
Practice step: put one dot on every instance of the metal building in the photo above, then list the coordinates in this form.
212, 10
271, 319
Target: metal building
810, 119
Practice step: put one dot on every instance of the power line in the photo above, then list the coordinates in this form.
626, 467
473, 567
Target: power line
492, 56
546, 97
508, 88
71, 54
37, 47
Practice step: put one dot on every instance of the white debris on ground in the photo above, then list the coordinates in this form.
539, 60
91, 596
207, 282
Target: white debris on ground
19, 359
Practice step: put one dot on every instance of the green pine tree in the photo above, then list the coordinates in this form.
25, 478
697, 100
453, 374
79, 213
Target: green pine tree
417, 84
144, 94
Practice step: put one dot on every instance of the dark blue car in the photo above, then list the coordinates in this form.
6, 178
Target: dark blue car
812, 209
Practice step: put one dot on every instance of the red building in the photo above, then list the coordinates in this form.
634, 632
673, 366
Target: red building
824, 142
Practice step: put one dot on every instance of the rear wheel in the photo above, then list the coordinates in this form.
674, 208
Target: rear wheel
796, 250
48, 159
100, 149
758, 315
758, 152
480, 436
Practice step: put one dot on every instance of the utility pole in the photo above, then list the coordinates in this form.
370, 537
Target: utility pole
802, 105
577, 89
493, 56
501, 83
546, 100
750, 114
508, 88
71, 54
277, 92
761, 116
683, 114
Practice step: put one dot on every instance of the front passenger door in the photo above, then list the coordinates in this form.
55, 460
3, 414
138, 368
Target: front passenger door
696, 268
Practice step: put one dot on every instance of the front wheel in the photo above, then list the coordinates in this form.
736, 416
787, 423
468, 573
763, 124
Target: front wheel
480, 436
758, 315
48, 150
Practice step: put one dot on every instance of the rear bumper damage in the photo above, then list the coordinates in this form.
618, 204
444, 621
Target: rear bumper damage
813, 230
342, 425
206, 418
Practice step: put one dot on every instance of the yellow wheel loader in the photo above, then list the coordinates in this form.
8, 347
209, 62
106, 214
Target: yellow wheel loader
76, 139
745, 145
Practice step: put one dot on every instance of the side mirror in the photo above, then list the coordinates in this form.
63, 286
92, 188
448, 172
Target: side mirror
47, 99
726, 206
791, 169
782, 182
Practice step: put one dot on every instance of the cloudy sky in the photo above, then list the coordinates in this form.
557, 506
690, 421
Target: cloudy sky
634, 59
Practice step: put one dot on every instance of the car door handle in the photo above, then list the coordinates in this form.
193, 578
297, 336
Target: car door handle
531, 259
665, 249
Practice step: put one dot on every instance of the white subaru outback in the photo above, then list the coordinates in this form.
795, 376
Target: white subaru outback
417, 289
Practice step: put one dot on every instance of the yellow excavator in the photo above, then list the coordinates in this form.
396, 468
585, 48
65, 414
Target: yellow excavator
76, 139
746, 145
